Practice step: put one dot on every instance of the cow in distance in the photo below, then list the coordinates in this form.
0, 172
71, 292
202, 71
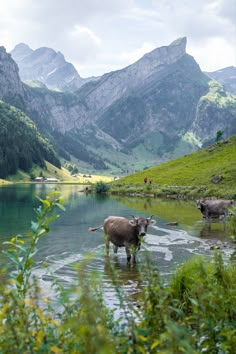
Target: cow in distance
214, 209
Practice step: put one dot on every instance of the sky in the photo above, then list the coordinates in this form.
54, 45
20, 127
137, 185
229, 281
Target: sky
99, 36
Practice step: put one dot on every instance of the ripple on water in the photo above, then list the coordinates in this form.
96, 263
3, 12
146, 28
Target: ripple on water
167, 247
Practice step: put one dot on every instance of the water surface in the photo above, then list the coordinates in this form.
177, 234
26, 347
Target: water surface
69, 239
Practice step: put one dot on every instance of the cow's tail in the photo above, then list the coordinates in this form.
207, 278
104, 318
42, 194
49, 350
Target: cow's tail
95, 228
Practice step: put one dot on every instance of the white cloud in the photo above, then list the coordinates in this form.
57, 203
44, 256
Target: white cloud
84, 33
222, 54
81, 44
105, 35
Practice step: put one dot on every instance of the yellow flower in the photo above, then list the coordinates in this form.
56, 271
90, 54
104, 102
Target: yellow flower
55, 349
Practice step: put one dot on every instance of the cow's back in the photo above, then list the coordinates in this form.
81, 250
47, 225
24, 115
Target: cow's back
217, 207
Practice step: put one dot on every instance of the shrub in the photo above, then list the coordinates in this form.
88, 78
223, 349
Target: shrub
101, 187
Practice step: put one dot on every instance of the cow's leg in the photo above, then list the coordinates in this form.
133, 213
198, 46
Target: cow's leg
134, 256
208, 219
134, 251
209, 222
128, 253
225, 220
206, 214
115, 248
225, 225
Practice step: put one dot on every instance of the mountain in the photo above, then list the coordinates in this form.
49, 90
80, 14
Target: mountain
11, 88
21, 51
226, 77
161, 107
47, 66
21, 144
215, 111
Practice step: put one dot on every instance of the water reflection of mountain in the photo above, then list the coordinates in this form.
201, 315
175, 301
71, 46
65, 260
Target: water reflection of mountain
17, 205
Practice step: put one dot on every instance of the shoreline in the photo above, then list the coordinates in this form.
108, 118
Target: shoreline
173, 192
156, 191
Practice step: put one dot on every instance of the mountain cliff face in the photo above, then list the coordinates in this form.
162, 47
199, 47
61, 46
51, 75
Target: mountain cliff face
226, 76
165, 103
47, 66
219, 105
156, 109
121, 83
11, 88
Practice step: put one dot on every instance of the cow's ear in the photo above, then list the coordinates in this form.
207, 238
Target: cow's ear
132, 222
152, 222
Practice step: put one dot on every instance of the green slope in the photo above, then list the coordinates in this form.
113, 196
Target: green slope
192, 173
21, 144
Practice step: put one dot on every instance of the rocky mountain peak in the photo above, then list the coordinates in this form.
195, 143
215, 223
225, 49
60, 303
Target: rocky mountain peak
150, 67
47, 66
168, 54
20, 51
11, 88
182, 41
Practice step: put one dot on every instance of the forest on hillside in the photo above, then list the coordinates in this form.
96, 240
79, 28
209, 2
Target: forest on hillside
21, 144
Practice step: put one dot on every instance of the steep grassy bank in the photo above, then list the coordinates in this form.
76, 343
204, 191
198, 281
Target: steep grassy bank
209, 172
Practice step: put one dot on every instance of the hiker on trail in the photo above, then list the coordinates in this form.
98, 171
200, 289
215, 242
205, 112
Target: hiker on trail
145, 180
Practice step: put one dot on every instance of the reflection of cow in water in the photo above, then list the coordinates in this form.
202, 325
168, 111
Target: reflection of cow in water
214, 234
214, 209
126, 233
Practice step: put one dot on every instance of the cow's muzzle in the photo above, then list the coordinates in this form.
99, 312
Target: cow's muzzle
142, 233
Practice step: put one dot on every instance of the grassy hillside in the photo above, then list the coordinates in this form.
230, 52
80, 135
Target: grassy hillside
191, 174
62, 174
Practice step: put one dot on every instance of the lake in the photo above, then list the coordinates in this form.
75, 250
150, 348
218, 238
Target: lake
69, 239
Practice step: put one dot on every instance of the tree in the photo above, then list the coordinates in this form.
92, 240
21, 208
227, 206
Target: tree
219, 135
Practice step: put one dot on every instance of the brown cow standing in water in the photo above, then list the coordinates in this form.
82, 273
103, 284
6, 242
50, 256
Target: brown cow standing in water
126, 233
214, 208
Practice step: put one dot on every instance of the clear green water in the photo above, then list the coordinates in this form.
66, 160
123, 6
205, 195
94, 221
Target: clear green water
69, 239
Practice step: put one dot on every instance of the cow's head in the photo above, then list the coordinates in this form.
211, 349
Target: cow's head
201, 203
141, 224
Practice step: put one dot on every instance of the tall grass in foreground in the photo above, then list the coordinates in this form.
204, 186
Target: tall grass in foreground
195, 313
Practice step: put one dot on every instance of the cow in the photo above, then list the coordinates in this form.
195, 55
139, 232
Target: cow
214, 208
123, 232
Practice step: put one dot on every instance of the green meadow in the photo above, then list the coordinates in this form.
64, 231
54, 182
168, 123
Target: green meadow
191, 175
